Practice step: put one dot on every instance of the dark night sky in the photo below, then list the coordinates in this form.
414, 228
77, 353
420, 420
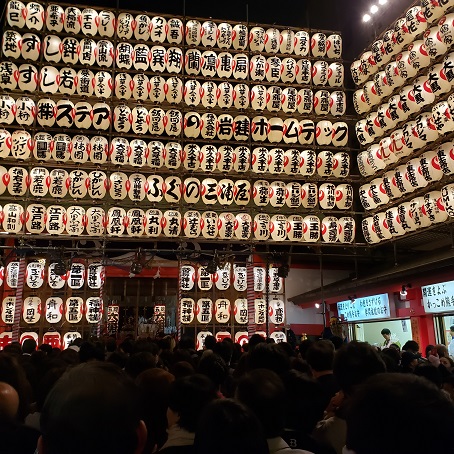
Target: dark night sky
341, 15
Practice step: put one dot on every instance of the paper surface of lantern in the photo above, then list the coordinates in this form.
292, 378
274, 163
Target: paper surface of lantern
204, 310
222, 310
187, 306
209, 224
53, 309
153, 223
74, 309
31, 309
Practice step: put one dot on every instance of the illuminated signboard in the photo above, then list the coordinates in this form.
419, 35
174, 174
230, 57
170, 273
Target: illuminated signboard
438, 297
366, 308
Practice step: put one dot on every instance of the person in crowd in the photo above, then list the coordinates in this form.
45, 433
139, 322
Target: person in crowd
28, 347
389, 338
268, 356
264, 393
429, 349
154, 388
139, 362
15, 437
353, 364
448, 363
442, 351
451, 343
408, 361
209, 343
420, 406
188, 396
391, 357
228, 427
411, 346
214, 367
93, 408
320, 357
12, 372
90, 351
304, 405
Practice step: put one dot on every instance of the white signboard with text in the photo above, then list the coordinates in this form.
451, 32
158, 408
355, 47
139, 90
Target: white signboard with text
366, 308
438, 297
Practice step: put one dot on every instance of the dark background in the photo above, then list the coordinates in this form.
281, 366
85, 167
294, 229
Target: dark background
341, 15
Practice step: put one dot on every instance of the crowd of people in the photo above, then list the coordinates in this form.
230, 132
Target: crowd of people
147, 396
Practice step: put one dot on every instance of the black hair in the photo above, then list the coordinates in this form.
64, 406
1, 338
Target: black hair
210, 342
354, 363
264, 393
385, 331
411, 345
305, 402
451, 328
320, 355
138, 362
28, 346
214, 367
188, 396
92, 408
227, 426
419, 404
269, 356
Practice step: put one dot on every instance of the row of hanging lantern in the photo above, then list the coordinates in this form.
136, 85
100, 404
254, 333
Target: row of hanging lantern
79, 274
408, 29
172, 60
142, 27
117, 222
140, 87
97, 185
436, 81
156, 121
52, 337
425, 129
204, 310
224, 278
412, 99
433, 208
74, 309
406, 178
81, 149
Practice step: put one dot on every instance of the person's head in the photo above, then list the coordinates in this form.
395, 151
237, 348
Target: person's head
386, 333
409, 360
451, 329
419, 404
269, 356
430, 372
46, 348
255, 340
429, 349
411, 346
90, 351
138, 362
209, 343
9, 403
305, 402
320, 355
264, 393
188, 396
12, 373
28, 346
442, 350
154, 388
214, 367
93, 408
227, 426
447, 362
391, 358
354, 363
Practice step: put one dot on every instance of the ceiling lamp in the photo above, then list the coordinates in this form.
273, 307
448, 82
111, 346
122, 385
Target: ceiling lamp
374, 9
382, 2
366, 18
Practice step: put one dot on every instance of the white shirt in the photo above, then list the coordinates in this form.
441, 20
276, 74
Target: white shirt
451, 347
